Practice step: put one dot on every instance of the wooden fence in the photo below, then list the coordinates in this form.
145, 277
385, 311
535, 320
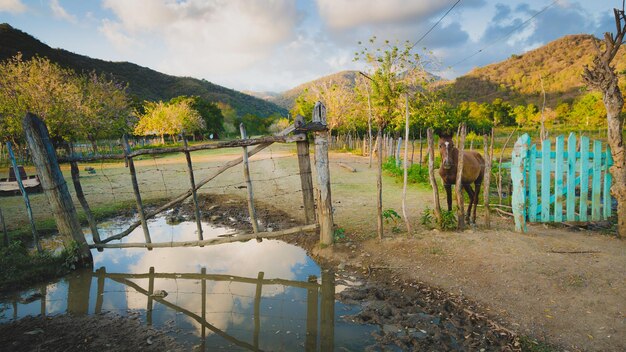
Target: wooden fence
45, 160
559, 185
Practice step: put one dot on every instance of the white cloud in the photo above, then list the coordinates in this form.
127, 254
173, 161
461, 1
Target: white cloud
341, 14
12, 6
59, 12
114, 34
200, 38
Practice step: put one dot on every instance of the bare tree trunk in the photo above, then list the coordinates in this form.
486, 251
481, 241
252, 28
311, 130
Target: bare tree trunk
601, 76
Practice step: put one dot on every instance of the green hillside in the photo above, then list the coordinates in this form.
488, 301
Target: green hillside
143, 82
518, 79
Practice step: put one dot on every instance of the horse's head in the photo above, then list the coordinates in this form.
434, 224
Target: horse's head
446, 145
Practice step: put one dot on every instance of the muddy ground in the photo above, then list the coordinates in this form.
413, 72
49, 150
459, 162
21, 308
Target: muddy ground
105, 332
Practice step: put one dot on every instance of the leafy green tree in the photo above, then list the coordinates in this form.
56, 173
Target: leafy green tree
588, 111
209, 111
303, 106
104, 109
169, 119
43, 88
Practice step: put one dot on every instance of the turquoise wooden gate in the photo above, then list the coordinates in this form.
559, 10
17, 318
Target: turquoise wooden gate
554, 185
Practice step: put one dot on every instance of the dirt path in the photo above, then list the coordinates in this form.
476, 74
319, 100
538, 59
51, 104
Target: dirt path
563, 287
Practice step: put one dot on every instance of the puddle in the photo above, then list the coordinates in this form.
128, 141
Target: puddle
235, 296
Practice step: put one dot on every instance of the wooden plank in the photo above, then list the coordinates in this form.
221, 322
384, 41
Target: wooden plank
545, 180
533, 195
518, 198
306, 180
608, 179
257, 309
246, 176
281, 138
596, 182
133, 178
192, 184
571, 178
211, 241
584, 179
558, 179
311, 316
29, 209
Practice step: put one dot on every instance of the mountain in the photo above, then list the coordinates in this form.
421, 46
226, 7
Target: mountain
287, 98
145, 83
559, 64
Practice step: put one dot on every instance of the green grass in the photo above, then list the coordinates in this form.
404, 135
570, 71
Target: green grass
415, 174
19, 268
531, 345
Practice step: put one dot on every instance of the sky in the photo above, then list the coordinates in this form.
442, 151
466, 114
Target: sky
274, 45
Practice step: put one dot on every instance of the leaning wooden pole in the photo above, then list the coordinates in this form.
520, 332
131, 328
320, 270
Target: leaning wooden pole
246, 176
379, 186
488, 152
93, 226
29, 209
192, 183
324, 200
431, 174
133, 178
458, 187
54, 186
306, 176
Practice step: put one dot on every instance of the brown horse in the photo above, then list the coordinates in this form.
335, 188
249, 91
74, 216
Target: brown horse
473, 172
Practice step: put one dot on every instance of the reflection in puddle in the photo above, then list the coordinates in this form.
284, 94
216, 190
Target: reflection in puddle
241, 296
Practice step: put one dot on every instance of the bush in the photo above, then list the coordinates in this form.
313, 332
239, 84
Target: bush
415, 173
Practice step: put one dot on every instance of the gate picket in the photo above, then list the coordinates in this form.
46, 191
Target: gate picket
608, 180
558, 180
545, 181
584, 178
571, 178
532, 182
595, 185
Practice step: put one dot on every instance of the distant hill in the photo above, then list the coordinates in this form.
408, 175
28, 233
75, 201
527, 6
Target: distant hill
518, 79
287, 98
143, 82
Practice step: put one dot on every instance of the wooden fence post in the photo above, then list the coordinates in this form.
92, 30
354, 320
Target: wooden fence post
324, 204
458, 187
192, 182
257, 309
246, 175
398, 146
45, 159
29, 210
306, 177
431, 173
101, 273
133, 177
83, 201
150, 303
406, 166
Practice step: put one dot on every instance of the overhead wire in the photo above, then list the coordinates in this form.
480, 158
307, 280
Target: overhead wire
507, 35
435, 25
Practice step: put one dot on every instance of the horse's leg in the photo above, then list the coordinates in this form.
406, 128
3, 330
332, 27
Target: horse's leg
449, 196
477, 198
470, 193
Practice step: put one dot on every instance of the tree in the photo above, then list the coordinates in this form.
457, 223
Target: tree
169, 119
104, 109
601, 76
209, 112
392, 70
43, 88
339, 101
303, 105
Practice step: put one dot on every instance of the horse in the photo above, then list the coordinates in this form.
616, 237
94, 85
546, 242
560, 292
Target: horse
473, 172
